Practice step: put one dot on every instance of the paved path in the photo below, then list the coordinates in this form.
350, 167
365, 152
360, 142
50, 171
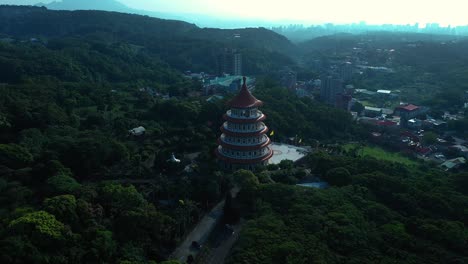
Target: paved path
218, 255
200, 233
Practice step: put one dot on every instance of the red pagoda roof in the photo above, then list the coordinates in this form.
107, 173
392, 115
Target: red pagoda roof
244, 99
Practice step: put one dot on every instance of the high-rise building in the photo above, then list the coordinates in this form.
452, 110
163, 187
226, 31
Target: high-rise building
331, 87
230, 62
244, 143
346, 71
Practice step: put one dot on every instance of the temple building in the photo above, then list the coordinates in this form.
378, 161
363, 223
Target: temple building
244, 143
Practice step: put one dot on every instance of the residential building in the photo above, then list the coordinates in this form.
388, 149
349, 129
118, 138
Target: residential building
372, 111
346, 71
453, 163
384, 93
460, 149
226, 83
409, 111
437, 125
344, 101
331, 87
230, 62
414, 123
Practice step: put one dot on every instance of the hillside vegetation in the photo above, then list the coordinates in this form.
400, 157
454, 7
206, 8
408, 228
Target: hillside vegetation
184, 46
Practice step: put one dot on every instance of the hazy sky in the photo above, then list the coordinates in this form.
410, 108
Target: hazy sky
372, 11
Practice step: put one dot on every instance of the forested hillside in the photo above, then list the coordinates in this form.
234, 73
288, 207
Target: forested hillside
375, 212
184, 46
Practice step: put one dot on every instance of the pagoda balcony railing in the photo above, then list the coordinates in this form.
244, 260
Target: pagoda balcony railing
239, 154
244, 142
261, 127
255, 116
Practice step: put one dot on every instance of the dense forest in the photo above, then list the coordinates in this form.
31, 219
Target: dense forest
375, 212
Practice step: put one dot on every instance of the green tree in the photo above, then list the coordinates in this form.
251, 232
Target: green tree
286, 164
119, 198
62, 184
63, 207
40, 226
14, 156
430, 138
102, 246
338, 176
246, 180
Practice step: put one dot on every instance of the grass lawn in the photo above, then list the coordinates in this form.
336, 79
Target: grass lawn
382, 154
367, 103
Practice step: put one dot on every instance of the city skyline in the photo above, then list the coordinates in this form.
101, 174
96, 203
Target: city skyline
400, 12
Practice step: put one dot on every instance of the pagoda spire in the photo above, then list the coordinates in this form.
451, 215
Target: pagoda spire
244, 98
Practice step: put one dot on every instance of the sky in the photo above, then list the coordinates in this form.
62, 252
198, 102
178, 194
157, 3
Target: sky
312, 11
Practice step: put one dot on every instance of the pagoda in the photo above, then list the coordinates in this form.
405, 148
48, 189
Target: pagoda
244, 143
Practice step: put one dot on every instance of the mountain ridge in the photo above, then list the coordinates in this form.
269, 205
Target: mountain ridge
181, 44
202, 20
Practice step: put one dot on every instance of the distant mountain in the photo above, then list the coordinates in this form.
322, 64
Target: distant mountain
183, 45
116, 6
108, 5
104, 5
381, 39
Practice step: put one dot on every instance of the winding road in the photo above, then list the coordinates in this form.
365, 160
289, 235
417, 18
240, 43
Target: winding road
201, 232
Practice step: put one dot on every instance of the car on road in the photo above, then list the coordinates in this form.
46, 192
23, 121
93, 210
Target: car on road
196, 245
229, 229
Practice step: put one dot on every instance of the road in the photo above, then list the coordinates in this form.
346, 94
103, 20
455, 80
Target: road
200, 233
219, 254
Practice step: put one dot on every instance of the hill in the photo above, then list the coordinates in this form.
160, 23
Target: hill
201, 20
183, 45
380, 39
105, 5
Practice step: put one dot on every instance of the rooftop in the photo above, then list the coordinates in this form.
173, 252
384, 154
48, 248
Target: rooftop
244, 99
384, 91
450, 164
227, 80
387, 123
409, 107
286, 152
372, 109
